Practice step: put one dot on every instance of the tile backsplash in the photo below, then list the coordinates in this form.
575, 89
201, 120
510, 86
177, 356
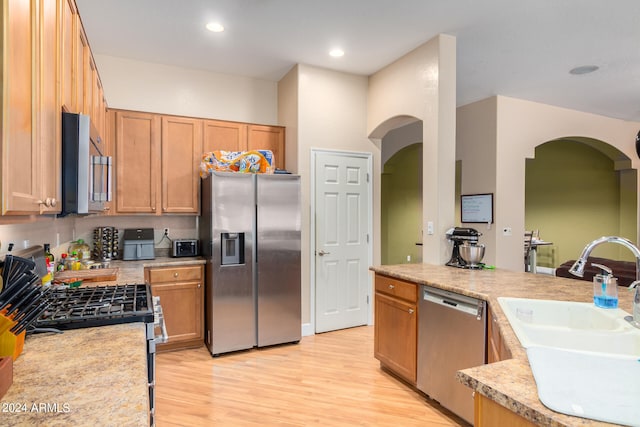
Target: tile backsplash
59, 232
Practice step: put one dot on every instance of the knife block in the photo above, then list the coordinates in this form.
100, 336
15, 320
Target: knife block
11, 345
6, 375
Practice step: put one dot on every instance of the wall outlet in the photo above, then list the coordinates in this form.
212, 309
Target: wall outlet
506, 231
408, 258
430, 230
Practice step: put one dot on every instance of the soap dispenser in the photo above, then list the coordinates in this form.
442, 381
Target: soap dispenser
605, 288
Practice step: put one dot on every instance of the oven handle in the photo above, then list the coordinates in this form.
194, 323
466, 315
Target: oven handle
158, 316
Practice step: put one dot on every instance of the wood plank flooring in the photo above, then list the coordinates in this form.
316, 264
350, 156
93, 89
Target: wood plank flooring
329, 379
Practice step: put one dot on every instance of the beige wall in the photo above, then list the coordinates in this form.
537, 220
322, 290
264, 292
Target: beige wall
158, 88
328, 111
476, 152
422, 85
520, 126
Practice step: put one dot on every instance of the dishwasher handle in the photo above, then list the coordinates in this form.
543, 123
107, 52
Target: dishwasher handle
461, 303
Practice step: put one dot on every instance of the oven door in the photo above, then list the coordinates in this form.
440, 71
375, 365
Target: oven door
152, 340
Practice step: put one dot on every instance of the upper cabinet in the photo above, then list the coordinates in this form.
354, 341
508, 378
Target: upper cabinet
31, 130
67, 55
47, 67
157, 159
137, 162
181, 154
267, 138
234, 136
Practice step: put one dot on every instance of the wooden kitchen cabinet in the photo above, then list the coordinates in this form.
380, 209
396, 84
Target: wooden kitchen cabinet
30, 134
181, 155
496, 348
67, 55
396, 326
234, 136
137, 162
157, 159
267, 138
221, 135
181, 292
488, 413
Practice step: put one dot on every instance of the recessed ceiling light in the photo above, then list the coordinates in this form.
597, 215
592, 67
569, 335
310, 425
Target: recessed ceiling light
336, 53
583, 69
215, 27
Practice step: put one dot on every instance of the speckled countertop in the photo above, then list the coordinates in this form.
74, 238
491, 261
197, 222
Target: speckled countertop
83, 377
510, 382
133, 271
91, 376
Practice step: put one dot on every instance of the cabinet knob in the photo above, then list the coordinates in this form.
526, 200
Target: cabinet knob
411, 311
175, 274
199, 285
49, 202
391, 286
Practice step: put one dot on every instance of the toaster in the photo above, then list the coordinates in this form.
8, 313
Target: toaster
184, 248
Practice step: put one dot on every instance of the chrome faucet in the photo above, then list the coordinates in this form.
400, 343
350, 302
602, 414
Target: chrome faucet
577, 269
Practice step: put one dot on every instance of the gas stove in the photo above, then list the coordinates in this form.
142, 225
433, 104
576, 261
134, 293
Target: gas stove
108, 305
97, 306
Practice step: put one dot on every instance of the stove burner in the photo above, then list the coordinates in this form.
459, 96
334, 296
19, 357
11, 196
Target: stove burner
97, 306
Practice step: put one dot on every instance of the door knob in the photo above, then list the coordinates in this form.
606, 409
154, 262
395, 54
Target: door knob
323, 253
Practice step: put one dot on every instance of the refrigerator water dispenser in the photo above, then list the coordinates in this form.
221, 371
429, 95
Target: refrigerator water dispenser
232, 248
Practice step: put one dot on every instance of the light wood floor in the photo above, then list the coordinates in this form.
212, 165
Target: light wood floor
330, 379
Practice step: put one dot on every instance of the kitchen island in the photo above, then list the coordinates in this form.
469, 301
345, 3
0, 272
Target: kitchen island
509, 383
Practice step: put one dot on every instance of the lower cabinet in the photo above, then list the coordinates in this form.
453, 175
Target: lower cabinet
496, 348
181, 292
488, 413
396, 326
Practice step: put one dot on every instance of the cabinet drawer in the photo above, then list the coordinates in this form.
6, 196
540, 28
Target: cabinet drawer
175, 274
397, 288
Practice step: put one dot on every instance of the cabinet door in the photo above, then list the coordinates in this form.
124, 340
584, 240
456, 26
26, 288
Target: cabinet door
395, 340
48, 109
267, 138
80, 67
137, 162
182, 305
20, 154
227, 136
181, 154
67, 55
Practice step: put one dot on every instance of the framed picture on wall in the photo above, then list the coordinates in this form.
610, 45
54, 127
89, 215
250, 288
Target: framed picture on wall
477, 208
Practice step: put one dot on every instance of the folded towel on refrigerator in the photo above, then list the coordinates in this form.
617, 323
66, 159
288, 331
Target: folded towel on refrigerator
254, 161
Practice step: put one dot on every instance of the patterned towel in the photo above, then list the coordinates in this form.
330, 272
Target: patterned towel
254, 161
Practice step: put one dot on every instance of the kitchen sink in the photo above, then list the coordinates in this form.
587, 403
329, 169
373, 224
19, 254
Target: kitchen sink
571, 325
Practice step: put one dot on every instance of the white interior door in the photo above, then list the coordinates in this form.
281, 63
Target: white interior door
342, 216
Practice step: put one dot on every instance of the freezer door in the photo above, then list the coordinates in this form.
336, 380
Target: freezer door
228, 211
278, 259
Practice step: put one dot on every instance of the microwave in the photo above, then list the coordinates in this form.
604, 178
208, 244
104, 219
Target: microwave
86, 171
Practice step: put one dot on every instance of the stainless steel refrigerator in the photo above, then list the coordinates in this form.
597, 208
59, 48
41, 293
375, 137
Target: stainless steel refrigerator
250, 235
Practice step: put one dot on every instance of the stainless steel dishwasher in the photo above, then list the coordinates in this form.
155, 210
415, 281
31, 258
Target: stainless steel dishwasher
451, 336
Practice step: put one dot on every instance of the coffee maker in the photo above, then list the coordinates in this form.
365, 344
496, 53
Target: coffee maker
459, 235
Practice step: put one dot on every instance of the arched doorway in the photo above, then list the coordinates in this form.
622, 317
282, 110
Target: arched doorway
576, 190
401, 207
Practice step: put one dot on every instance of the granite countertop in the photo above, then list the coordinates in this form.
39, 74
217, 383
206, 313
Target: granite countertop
91, 376
509, 383
133, 271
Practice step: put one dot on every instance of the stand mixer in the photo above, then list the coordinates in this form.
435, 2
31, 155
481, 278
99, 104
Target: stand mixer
460, 236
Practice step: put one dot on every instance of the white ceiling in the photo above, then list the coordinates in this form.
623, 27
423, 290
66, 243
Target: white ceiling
522, 49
